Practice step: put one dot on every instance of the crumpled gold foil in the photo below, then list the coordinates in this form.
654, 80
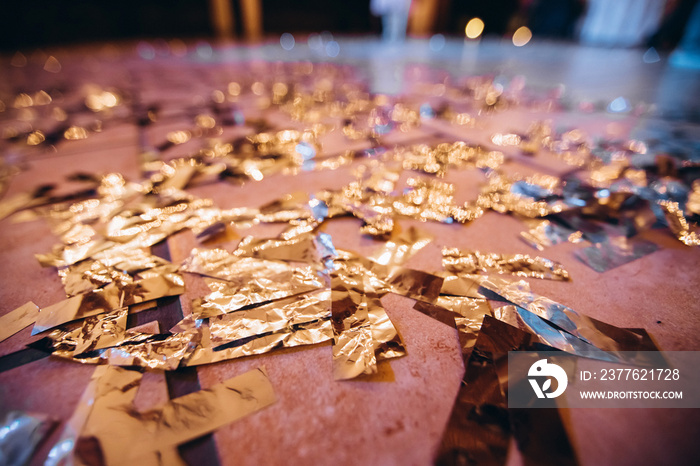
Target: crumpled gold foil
110, 297
469, 314
437, 160
18, 319
353, 345
301, 248
290, 322
106, 417
544, 233
678, 224
499, 195
522, 265
398, 249
247, 281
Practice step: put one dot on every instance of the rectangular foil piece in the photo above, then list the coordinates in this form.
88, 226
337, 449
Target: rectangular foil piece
387, 341
106, 419
18, 319
544, 234
353, 344
308, 333
522, 265
614, 252
20, 433
298, 249
106, 299
462, 285
282, 315
469, 314
599, 334
402, 247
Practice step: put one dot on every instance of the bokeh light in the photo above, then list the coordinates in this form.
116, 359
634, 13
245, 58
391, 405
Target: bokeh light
522, 36
287, 41
474, 28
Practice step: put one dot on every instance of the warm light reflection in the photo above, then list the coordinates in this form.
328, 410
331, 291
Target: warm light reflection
52, 65
179, 137
474, 28
35, 138
75, 132
522, 36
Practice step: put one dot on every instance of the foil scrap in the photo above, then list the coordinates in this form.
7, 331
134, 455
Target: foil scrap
106, 299
545, 233
481, 426
550, 335
282, 315
382, 279
301, 248
306, 333
398, 249
462, 285
20, 433
245, 281
414, 284
604, 336
472, 262
437, 160
387, 341
469, 313
106, 419
353, 343
89, 275
678, 225
18, 319
101, 331
531, 198
614, 252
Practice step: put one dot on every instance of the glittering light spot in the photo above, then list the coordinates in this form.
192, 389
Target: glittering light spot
234, 88
427, 112
19, 60
218, 97
204, 51
205, 121
98, 101
287, 41
474, 28
35, 138
146, 51
306, 150
437, 42
332, 49
315, 42
42, 98
522, 36
23, 100
619, 105
651, 56
258, 88
178, 48
59, 114
75, 133
52, 65
179, 137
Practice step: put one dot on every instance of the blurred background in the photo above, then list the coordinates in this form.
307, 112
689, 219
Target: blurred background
610, 23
